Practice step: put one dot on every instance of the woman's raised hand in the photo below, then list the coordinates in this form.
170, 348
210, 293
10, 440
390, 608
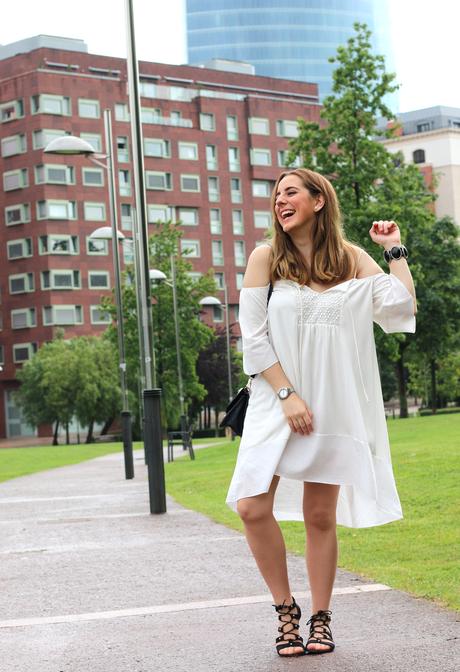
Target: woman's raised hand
299, 416
385, 233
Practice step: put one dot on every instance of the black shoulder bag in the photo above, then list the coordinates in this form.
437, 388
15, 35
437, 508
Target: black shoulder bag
235, 412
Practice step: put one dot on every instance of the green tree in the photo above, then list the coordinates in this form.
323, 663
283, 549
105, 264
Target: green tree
193, 334
373, 184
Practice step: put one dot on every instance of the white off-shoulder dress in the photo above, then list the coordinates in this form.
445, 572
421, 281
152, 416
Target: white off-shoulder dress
325, 344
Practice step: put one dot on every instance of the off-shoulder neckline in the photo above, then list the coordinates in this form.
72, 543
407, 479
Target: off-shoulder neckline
344, 282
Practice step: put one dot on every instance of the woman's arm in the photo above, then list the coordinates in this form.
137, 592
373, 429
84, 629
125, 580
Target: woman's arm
297, 413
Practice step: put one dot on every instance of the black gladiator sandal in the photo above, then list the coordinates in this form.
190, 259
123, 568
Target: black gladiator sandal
289, 616
320, 632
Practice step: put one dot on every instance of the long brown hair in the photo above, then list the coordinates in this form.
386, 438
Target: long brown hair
332, 258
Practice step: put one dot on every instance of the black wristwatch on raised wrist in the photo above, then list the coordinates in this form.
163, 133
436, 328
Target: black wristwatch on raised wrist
395, 253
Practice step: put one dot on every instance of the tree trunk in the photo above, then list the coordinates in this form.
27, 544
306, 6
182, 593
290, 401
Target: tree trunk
434, 392
403, 411
89, 436
55, 435
67, 438
216, 420
106, 426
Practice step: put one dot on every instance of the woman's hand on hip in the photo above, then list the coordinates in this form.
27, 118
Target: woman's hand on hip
299, 416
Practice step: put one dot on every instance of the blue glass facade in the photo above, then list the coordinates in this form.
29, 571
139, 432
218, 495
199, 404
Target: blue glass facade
291, 40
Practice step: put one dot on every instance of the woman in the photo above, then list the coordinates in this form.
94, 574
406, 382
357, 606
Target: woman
315, 414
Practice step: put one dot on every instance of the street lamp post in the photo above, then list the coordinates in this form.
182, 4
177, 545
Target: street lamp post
66, 145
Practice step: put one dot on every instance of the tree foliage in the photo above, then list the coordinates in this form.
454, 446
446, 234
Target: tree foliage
194, 335
66, 379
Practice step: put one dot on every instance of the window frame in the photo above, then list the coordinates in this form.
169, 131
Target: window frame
66, 104
89, 101
73, 241
189, 176
252, 123
196, 244
94, 204
29, 283
31, 315
53, 272
181, 209
54, 309
22, 173
181, 145
21, 144
71, 209
47, 167
24, 209
212, 117
168, 180
94, 273
25, 243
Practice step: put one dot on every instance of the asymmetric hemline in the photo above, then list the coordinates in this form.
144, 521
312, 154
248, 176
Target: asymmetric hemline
325, 344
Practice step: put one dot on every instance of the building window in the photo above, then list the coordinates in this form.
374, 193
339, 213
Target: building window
58, 244
124, 182
99, 316
219, 280
261, 188
94, 139
215, 221
419, 156
44, 136
62, 315
92, 177
157, 180
121, 112
147, 90
188, 216
17, 214
234, 159
190, 248
56, 210
190, 182
240, 253
122, 149
15, 179
424, 127
261, 157
50, 104
237, 222
217, 253
98, 280
158, 148
211, 157
213, 189
235, 189
23, 318
287, 129
259, 126
89, 109
97, 247
2, 355
207, 122
159, 213
19, 249
22, 352
239, 280
217, 314
14, 109
232, 127
14, 144
126, 217
54, 174
150, 115
282, 160
60, 279
188, 151
94, 212
262, 219
21, 283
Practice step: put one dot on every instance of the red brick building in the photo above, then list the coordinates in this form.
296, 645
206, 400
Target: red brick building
214, 143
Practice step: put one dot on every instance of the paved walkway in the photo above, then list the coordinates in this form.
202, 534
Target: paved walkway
91, 582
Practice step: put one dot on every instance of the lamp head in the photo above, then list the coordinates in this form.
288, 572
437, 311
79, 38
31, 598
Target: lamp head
105, 233
69, 145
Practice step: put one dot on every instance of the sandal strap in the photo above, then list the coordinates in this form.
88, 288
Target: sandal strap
289, 616
320, 632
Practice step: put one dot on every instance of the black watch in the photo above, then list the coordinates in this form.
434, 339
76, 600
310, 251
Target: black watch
396, 252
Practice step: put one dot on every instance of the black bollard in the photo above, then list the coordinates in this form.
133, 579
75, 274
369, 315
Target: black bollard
154, 451
126, 433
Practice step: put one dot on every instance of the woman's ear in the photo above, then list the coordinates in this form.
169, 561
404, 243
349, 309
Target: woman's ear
320, 201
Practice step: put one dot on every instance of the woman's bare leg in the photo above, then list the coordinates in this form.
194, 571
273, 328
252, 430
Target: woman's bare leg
319, 509
267, 545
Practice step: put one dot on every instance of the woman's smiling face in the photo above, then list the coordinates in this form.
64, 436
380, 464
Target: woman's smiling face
294, 205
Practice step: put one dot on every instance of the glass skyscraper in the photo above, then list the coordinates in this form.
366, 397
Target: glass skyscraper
291, 39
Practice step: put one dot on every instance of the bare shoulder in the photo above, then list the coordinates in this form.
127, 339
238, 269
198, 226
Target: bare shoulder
366, 264
258, 268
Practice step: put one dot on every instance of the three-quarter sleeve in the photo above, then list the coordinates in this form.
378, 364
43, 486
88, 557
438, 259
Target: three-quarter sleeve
258, 353
393, 304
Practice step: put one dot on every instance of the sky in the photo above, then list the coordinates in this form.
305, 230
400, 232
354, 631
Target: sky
424, 35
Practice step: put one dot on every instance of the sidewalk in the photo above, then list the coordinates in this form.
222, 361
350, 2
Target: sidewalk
91, 582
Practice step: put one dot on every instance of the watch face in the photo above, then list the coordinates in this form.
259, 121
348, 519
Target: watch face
283, 393
396, 252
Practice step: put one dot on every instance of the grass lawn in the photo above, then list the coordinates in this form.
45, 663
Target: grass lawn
16, 462
419, 554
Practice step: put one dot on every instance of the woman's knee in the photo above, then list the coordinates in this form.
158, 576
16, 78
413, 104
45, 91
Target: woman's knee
319, 518
251, 510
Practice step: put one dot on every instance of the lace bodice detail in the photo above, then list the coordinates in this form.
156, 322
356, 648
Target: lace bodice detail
319, 307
